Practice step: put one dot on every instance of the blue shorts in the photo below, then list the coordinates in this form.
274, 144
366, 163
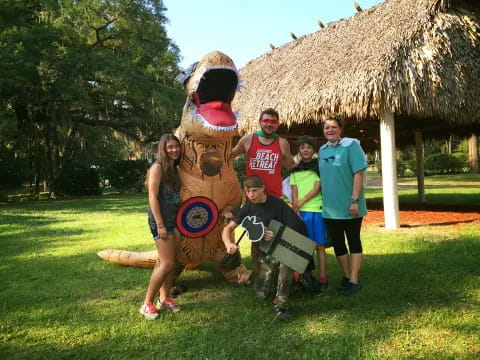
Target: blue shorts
315, 226
153, 229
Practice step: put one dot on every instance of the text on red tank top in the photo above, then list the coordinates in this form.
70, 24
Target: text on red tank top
264, 157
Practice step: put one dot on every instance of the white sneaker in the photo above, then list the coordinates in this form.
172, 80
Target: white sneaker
168, 304
149, 311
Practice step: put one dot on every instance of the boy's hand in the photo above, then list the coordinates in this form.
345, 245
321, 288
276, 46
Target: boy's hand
232, 248
295, 206
268, 235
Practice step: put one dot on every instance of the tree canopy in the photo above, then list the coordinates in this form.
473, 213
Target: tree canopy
75, 73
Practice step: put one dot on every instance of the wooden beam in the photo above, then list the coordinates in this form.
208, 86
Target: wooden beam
294, 37
419, 157
272, 46
389, 170
320, 24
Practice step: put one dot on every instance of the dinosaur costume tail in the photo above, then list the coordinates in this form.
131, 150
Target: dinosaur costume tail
147, 259
144, 259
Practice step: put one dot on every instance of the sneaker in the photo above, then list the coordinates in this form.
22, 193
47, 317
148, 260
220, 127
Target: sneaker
177, 289
168, 304
311, 286
280, 313
351, 289
149, 311
322, 287
344, 284
296, 277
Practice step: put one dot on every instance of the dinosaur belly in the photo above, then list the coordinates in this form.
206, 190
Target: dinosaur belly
211, 162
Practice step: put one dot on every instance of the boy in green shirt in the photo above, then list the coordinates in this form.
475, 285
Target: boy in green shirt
307, 201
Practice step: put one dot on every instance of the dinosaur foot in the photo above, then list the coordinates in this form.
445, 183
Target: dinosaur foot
238, 276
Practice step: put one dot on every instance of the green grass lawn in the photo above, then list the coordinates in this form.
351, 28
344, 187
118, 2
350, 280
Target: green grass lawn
58, 300
459, 189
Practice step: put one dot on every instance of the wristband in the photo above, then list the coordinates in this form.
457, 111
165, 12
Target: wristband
354, 200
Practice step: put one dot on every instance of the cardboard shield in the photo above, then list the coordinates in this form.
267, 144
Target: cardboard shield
289, 247
197, 216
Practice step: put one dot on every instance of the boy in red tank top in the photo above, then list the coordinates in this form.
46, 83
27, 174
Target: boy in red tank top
266, 153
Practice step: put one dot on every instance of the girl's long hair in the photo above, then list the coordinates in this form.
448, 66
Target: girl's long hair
164, 161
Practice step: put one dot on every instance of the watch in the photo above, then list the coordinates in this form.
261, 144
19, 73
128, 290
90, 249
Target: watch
354, 200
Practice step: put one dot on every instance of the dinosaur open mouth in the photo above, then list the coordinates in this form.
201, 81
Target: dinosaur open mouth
214, 96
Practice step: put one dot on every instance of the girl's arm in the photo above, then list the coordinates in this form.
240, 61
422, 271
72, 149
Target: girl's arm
310, 194
154, 179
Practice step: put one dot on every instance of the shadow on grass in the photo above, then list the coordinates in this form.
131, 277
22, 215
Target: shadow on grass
90, 308
123, 204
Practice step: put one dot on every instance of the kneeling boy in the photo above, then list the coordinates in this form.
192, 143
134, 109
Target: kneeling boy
272, 273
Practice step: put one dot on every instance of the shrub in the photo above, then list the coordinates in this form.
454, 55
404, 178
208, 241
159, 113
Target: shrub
443, 163
126, 175
239, 167
13, 171
77, 180
402, 166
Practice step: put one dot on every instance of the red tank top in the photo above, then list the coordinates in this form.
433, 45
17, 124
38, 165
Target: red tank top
266, 162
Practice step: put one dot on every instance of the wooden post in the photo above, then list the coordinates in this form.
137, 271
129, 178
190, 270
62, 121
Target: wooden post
389, 170
473, 154
419, 157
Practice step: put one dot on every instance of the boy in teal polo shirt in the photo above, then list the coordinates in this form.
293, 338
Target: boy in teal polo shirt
307, 201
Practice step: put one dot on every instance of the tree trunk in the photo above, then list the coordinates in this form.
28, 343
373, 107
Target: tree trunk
473, 154
419, 154
448, 145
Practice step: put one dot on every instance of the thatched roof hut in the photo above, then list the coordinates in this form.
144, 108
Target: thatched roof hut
418, 58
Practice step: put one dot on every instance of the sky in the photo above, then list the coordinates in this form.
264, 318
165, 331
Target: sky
243, 29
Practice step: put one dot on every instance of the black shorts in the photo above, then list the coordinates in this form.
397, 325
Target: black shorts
153, 228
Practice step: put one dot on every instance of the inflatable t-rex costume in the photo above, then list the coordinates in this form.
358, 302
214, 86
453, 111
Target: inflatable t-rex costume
206, 132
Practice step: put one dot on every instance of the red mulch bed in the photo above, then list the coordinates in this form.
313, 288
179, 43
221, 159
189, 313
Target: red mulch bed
411, 218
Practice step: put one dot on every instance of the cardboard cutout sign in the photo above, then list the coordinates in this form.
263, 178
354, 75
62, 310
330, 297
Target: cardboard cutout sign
254, 227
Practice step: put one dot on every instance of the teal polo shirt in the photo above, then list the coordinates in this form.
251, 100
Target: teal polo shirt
338, 164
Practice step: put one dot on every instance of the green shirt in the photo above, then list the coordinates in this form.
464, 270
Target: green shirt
305, 181
338, 164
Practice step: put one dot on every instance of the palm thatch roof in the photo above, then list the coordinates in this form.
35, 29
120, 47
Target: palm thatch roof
418, 58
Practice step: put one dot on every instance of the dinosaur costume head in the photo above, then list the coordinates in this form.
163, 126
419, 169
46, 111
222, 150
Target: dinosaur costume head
210, 85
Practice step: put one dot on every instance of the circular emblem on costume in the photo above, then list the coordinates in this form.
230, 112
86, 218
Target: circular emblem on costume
197, 216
